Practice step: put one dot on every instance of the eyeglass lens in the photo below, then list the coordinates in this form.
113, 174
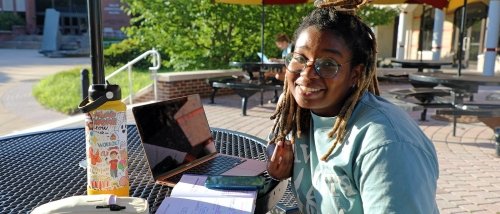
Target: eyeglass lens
324, 67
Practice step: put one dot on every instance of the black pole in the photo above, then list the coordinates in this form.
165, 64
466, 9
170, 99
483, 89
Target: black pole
461, 37
263, 20
95, 34
84, 75
497, 137
421, 34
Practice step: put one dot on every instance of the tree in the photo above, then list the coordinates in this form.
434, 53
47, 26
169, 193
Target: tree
198, 34
375, 16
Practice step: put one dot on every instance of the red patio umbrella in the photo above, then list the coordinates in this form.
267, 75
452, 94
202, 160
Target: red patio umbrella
455, 4
263, 16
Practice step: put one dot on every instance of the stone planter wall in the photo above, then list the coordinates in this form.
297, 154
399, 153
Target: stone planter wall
5, 35
177, 84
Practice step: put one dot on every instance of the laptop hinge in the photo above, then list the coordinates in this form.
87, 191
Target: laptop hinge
185, 167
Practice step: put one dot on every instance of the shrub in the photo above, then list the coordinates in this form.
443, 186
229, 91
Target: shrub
8, 19
119, 54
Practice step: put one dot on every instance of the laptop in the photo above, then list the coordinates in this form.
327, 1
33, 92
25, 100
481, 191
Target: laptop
263, 57
176, 138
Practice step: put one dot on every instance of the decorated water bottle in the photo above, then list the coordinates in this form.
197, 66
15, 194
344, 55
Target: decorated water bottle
106, 140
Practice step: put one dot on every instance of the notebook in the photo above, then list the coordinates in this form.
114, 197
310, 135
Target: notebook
263, 57
176, 138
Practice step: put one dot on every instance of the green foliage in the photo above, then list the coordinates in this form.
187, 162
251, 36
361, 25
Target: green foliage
198, 34
119, 54
140, 79
108, 41
62, 91
374, 16
8, 19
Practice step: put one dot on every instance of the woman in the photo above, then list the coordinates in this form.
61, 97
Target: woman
346, 149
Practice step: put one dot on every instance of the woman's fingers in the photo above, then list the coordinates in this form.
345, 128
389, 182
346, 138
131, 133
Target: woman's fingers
276, 148
281, 162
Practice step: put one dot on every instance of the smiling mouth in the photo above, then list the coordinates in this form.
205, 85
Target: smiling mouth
307, 89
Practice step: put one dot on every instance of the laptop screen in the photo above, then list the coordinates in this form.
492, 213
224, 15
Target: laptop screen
263, 57
173, 132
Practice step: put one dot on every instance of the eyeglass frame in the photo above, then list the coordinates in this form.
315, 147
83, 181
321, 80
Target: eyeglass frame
316, 69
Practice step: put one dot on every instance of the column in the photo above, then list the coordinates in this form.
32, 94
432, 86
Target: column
437, 34
30, 16
400, 51
492, 33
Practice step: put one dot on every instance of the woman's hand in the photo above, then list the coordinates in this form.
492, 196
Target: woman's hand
280, 165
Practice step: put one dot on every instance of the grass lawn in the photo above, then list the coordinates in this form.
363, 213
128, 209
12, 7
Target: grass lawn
62, 91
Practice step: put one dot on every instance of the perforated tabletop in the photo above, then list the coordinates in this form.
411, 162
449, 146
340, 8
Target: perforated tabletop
42, 167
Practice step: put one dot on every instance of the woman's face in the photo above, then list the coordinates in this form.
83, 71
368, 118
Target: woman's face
323, 96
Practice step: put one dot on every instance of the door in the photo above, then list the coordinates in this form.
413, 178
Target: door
474, 32
475, 37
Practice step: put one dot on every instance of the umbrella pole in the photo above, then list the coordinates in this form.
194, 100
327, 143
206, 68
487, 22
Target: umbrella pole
95, 34
460, 53
421, 34
263, 20
461, 37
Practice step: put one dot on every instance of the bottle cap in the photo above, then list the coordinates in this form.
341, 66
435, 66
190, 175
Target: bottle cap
98, 95
111, 92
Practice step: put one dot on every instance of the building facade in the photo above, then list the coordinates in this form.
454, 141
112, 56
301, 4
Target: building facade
73, 15
413, 34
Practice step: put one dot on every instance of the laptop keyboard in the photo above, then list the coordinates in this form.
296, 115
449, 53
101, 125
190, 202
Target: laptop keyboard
214, 166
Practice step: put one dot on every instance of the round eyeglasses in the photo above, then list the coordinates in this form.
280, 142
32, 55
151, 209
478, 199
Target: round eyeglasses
324, 67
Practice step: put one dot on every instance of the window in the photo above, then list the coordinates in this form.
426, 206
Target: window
427, 29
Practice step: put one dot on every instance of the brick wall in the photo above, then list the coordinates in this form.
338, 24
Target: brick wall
6, 35
113, 18
176, 84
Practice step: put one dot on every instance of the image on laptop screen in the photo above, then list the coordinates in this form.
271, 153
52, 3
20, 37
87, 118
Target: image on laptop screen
173, 132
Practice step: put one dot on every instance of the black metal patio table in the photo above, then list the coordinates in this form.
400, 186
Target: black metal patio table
464, 84
246, 90
250, 85
261, 67
37, 168
453, 80
421, 64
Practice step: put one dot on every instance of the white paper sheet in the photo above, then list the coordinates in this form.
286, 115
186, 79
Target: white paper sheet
191, 196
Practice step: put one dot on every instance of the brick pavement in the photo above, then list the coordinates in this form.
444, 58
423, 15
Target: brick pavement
469, 170
20, 70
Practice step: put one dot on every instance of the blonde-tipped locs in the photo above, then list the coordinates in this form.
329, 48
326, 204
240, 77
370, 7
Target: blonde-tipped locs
291, 118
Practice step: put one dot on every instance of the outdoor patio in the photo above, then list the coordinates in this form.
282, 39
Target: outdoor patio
469, 169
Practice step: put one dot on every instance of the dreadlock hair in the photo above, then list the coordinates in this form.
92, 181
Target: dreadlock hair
359, 38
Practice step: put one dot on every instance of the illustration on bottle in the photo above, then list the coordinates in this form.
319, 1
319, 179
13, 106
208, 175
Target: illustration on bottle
106, 141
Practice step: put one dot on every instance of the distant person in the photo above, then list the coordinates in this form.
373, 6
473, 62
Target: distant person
346, 149
283, 42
